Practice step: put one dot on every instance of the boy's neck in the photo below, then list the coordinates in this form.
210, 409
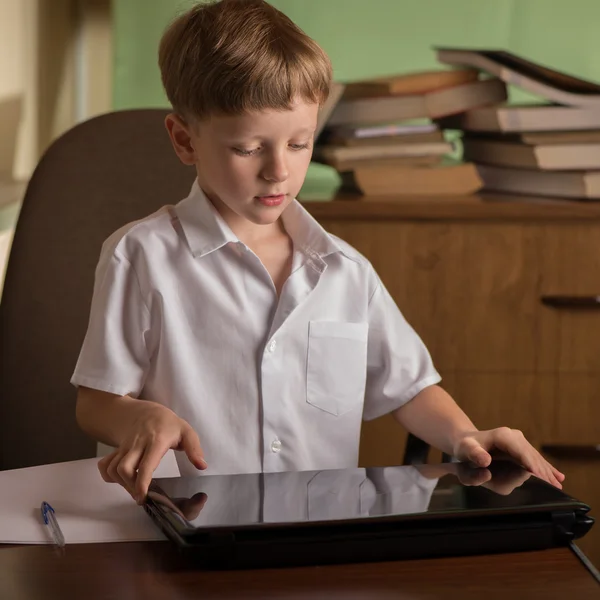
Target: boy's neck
253, 235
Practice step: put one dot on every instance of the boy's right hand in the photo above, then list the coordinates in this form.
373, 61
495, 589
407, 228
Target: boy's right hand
156, 429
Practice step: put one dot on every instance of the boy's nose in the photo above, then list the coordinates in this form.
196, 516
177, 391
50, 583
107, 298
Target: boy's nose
275, 169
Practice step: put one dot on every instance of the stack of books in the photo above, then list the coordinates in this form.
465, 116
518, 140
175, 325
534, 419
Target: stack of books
369, 134
551, 148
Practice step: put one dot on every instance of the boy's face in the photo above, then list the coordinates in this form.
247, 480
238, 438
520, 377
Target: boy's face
251, 166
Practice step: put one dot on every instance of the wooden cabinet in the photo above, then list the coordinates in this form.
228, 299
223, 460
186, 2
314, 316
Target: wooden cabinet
494, 288
570, 266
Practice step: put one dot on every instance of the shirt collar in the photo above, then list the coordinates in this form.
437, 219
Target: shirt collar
306, 233
203, 226
206, 230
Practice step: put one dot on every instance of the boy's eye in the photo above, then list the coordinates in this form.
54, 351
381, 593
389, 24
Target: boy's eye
242, 152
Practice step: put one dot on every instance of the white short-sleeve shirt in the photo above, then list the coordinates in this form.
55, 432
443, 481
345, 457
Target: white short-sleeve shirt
186, 315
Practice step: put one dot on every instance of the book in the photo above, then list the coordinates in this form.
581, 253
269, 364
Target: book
390, 140
380, 131
542, 137
336, 89
445, 179
561, 184
535, 78
525, 118
432, 105
329, 152
348, 164
404, 84
565, 157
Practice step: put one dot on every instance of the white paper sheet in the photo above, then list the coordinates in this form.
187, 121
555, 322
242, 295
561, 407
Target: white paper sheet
88, 510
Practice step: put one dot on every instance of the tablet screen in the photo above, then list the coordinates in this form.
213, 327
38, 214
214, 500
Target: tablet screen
362, 493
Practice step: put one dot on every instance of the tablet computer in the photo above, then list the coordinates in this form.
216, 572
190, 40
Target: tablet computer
358, 515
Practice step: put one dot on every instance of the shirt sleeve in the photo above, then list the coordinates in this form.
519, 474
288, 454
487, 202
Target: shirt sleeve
399, 365
114, 356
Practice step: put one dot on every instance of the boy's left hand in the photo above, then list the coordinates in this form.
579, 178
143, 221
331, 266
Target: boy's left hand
478, 447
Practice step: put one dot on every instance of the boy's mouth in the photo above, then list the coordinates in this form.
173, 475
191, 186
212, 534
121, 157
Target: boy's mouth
272, 200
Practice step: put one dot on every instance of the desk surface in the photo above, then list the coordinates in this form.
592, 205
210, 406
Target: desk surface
150, 570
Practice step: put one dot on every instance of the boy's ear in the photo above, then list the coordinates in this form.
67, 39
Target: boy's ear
179, 132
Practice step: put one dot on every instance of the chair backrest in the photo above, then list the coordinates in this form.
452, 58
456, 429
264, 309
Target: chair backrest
98, 176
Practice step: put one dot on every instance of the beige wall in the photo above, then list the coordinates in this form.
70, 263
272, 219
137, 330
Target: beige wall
36, 56
96, 58
56, 61
55, 71
12, 17
12, 80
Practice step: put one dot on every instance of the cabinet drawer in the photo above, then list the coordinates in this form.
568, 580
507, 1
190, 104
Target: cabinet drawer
569, 284
577, 410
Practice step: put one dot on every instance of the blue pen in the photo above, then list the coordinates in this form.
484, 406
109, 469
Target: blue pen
49, 517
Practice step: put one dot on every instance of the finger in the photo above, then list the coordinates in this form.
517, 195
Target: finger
560, 476
474, 452
554, 473
150, 460
544, 470
553, 477
103, 466
128, 465
514, 443
547, 472
190, 444
113, 470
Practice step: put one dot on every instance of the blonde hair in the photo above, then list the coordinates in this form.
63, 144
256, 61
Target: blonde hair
235, 56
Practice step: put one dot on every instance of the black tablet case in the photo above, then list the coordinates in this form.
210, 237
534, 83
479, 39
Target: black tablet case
458, 519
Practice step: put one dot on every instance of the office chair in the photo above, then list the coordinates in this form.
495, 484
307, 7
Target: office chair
98, 176
101, 174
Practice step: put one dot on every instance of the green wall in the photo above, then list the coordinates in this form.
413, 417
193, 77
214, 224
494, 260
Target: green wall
376, 37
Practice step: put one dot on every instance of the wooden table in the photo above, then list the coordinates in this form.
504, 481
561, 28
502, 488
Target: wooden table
150, 571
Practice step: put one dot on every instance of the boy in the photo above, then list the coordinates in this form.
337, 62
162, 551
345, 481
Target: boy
251, 334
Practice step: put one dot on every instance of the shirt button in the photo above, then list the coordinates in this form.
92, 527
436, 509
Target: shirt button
272, 345
276, 446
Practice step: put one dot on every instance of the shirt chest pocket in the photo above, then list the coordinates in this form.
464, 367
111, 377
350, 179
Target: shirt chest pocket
337, 365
